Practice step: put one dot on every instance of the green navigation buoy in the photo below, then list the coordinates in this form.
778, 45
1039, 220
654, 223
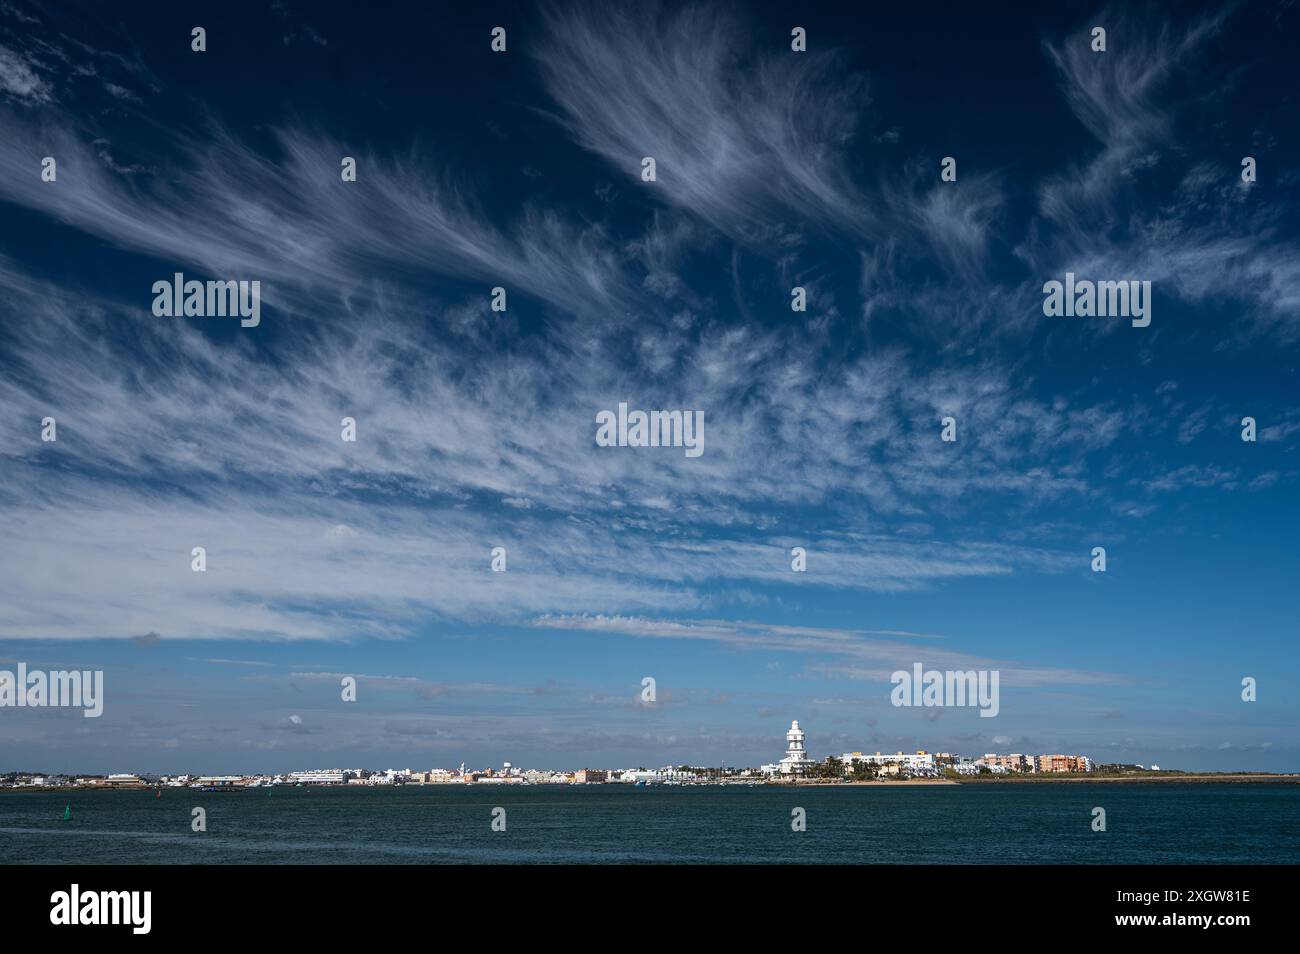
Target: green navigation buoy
67, 812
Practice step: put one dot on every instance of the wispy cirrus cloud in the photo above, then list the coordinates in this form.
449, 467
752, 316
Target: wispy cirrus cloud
19, 81
288, 219
755, 141
870, 654
379, 287
745, 138
873, 435
1213, 238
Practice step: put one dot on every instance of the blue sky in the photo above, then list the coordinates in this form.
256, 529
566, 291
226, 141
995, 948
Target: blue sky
477, 428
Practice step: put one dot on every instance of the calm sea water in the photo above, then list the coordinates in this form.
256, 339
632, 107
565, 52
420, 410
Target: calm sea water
974, 824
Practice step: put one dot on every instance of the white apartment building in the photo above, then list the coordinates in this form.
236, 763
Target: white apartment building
333, 777
920, 761
540, 777
668, 773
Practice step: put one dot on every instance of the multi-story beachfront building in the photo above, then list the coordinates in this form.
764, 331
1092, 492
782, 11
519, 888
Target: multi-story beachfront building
920, 762
1064, 763
1009, 763
1037, 763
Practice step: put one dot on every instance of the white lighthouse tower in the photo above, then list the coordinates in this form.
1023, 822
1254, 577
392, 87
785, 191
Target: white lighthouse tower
796, 757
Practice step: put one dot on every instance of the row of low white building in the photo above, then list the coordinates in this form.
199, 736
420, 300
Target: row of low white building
931, 764
647, 776
918, 763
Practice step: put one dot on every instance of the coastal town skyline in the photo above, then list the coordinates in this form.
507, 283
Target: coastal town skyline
796, 764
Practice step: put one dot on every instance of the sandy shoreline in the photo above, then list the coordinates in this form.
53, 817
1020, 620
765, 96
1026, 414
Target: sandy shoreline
876, 784
1260, 779
1137, 779
1052, 779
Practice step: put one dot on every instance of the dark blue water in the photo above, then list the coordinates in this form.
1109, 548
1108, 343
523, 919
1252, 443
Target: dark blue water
971, 824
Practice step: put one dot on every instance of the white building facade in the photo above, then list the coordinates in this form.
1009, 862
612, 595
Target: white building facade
919, 762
